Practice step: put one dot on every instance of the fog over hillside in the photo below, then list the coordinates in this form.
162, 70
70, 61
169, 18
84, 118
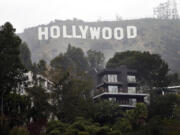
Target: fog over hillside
157, 36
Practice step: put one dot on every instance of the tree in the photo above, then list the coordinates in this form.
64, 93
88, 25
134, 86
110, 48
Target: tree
17, 108
80, 126
25, 56
137, 116
56, 128
141, 114
78, 57
19, 131
152, 70
62, 62
71, 95
42, 66
176, 112
123, 125
73, 58
106, 112
174, 79
11, 68
40, 109
96, 60
163, 106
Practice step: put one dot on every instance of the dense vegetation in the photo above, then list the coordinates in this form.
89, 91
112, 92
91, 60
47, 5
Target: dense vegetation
152, 70
69, 109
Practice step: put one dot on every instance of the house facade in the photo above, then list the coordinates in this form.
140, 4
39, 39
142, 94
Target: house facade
118, 85
35, 80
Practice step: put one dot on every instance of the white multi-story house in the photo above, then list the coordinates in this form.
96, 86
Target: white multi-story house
33, 80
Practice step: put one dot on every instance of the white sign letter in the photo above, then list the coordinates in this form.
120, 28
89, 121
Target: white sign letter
95, 32
131, 32
118, 33
74, 32
42, 33
83, 31
107, 33
65, 35
55, 31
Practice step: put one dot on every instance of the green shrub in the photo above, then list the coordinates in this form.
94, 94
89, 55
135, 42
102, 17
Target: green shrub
83, 133
115, 133
55, 127
54, 132
123, 125
71, 132
19, 131
103, 131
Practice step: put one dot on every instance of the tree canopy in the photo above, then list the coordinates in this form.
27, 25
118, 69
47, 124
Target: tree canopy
10, 64
25, 56
96, 60
152, 70
72, 58
12, 77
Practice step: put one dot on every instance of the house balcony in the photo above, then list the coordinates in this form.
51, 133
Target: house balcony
125, 100
120, 94
104, 84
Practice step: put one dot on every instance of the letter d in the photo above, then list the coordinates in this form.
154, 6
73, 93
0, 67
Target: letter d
131, 32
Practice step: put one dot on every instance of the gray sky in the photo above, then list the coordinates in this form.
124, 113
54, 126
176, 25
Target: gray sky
26, 13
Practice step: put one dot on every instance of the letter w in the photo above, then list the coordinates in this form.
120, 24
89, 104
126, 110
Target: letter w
95, 32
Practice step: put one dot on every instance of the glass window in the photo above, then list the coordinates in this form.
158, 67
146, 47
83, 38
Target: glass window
113, 89
131, 78
112, 99
42, 83
133, 102
131, 89
105, 78
112, 78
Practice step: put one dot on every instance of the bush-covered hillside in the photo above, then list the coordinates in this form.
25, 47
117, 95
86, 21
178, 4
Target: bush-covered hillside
157, 36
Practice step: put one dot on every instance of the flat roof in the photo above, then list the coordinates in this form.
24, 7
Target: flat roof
132, 95
173, 87
117, 70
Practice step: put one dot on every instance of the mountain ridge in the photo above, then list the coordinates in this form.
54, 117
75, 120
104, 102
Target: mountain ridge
154, 35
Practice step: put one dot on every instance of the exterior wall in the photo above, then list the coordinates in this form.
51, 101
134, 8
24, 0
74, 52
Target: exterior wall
30, 82
40, 81
123, 81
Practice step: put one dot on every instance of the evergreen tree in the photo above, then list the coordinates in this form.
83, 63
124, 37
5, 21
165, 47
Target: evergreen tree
11, 68
71, 96
96, 60
73, 58
25, 56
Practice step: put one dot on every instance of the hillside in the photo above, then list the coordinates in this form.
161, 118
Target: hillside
157, 36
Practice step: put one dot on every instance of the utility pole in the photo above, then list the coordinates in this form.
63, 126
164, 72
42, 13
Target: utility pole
167, 10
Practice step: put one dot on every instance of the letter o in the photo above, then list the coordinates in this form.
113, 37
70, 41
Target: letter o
119, 36
55, 31
107, 33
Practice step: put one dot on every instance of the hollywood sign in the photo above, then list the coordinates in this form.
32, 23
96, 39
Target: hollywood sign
87, 32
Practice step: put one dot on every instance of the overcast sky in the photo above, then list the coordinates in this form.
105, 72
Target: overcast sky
26, 13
